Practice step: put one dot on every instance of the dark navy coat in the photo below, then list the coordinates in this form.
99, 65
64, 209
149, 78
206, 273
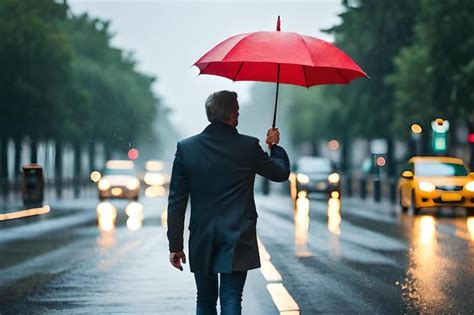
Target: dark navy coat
217, 168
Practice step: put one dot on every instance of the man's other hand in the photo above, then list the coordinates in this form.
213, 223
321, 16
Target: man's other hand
273, 137
176, 258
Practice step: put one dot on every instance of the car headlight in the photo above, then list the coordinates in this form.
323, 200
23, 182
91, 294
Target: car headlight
426, 186
334, 178
470, 186
302, 178
104, 184
154, 179
133, 184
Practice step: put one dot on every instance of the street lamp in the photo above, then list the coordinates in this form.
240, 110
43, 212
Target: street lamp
416, 131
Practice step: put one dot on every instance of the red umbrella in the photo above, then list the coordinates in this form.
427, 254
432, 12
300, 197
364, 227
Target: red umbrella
281, 57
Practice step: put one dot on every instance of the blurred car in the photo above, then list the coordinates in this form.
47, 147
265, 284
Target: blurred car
154, 175
435, 182
316, 175
155, 179
119, 180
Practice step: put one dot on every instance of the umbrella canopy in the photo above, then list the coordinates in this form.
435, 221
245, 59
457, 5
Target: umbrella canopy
280, 57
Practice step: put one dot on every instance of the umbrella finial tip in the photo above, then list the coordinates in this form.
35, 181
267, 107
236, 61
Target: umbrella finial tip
278, 24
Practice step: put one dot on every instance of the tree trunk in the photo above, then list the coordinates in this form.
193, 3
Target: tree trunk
391, 167
452, 140
77, 170
77, 161
34, 151
58, 161
18, 153
345, 150
58, 168
3, 159
108, 151
92, 154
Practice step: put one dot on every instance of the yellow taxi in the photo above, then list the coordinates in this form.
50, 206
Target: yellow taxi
435, 181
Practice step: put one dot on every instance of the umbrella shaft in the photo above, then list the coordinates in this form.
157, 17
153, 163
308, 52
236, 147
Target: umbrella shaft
276, 98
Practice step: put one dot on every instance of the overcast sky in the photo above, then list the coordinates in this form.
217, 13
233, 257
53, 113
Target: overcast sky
167, 37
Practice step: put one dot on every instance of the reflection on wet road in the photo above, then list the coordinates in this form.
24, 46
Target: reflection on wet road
434, 267
107, 215
361, 257
302, 222
302, 225
334, 215
330, 257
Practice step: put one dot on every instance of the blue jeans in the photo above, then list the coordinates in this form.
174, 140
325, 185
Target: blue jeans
231, 287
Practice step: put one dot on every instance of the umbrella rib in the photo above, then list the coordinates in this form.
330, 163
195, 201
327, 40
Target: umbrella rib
307, 49
238, 71
343, 77
305, 78
203, 69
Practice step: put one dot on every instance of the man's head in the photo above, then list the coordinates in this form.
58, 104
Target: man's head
223, 106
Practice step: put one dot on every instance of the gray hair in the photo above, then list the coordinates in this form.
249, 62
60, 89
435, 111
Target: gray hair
220, 104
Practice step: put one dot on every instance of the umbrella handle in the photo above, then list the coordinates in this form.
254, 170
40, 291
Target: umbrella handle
276, 98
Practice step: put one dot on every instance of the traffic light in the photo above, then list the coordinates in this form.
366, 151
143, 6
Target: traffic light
440, 129
470, 138
133, 154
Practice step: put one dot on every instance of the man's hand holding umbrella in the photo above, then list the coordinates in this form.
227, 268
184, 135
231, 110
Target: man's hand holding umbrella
273, 137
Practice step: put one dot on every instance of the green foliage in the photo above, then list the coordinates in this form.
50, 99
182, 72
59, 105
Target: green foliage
435, 75
35, 59
372, 33
62, 79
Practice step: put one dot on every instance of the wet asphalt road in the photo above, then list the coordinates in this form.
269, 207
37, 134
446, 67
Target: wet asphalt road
366, 258
351, 258
74, 260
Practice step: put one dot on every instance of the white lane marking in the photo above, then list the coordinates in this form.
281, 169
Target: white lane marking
281, 297
269, 272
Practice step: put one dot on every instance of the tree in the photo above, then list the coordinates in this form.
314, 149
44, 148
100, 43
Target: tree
372, 33
61, 79
35, 59
434, 76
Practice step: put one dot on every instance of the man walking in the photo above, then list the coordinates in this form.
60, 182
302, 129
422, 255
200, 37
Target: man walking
217, 168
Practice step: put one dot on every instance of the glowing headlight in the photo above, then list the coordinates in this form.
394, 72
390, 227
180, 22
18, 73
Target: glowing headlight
470, 186
95, 176
104, 184
154, 179
334, 178
302, 178
133, 184
426, 186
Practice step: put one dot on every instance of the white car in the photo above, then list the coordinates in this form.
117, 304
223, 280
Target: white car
119, 180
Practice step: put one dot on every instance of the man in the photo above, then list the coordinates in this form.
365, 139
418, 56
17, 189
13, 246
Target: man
217, 169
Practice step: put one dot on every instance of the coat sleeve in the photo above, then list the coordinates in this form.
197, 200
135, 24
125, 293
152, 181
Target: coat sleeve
177, 202
275, 167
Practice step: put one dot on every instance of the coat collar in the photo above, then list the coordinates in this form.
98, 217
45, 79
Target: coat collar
220, 127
